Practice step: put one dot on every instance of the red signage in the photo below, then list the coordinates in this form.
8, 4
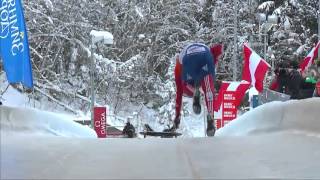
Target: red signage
100, 121
229, 108
227, 101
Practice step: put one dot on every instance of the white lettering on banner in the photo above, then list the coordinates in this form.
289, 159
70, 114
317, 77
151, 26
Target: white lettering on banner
229, 114
229, 105
228, 97
18, 47
9, 24
97, 124
103, 123
195, 49
4, 19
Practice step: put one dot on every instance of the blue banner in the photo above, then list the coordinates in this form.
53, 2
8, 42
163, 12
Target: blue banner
14, 46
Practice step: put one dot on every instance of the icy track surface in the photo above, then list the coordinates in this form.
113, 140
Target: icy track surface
275, 141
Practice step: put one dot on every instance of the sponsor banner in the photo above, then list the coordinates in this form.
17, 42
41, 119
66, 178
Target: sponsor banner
100, 121
229, 108
14, 46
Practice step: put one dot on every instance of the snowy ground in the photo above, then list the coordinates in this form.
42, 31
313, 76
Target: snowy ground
277, 140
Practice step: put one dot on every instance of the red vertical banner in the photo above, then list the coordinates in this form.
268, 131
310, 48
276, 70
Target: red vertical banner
229, 109
227, 101
100, 121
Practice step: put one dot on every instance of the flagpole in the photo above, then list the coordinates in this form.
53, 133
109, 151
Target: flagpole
235, 51
92, 80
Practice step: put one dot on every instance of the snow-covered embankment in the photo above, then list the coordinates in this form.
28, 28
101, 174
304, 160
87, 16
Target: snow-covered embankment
298, 116
28, 121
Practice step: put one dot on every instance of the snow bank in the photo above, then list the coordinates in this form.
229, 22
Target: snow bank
35, 122
104, 36
296, 116
11, 96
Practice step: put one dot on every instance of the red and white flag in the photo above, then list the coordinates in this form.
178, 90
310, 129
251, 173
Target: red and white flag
216, 51
254, 69
309, 60
239, 88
